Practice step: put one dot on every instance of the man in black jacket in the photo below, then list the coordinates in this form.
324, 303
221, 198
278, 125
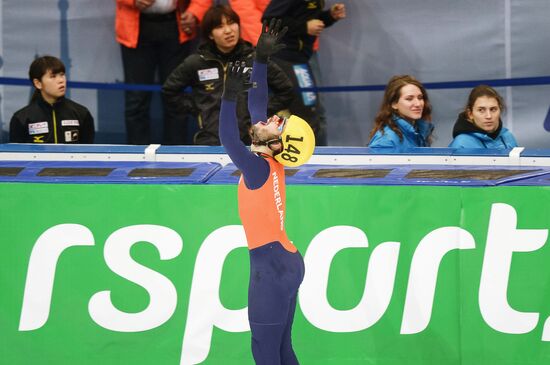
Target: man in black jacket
305, 20
204, 71
50, 117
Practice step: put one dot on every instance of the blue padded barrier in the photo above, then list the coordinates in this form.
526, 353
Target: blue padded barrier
433, 175
97, 172
344, 151
480, 152
540, 180
70, 148
457, 175
162, 150
206, 150
229, 174
356, 165
534, 152
419, 151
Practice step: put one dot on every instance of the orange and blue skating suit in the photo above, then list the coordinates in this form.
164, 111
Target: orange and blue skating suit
276, 266
262, 210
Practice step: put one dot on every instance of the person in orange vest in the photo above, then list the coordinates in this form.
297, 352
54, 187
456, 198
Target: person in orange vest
155, 36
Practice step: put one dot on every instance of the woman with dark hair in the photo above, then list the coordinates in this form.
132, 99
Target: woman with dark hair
404, 118
479, 125
50, 117
205, 70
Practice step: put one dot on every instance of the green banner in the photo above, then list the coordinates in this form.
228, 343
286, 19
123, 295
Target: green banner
143, 274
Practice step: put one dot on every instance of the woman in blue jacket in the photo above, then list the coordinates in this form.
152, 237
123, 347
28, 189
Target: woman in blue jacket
479, 125
404, 118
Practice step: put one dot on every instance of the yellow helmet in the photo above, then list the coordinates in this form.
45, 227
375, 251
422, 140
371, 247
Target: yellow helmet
298, 142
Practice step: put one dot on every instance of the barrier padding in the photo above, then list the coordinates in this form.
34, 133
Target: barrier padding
96, 172
71, 148
432, 175
337, 151
534, 152
540, 180
190, 149
418, 151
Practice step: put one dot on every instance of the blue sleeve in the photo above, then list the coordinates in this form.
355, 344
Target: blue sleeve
455, 143
258, 94
382, 140
425, 128
255, 169
466, 141
510, 139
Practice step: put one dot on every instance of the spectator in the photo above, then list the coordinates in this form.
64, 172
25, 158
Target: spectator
50, 117
479, 125
305, 20
155, 36
404, 118
205, 70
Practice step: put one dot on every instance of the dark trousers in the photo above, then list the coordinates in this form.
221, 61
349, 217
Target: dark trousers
304, 104
275, 275
158, 52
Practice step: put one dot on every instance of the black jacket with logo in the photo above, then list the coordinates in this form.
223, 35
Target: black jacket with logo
204, 71
295, 14
63, 122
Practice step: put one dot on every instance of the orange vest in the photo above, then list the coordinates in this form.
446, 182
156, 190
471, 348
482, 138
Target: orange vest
127, 20
262, 210
250, 12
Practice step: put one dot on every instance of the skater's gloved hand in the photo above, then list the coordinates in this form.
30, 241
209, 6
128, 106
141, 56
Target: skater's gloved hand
269, 42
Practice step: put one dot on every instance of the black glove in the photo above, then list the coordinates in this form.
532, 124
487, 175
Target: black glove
269, 41
236, 81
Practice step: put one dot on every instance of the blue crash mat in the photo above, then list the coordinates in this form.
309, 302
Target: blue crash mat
438, 175
97, 172
540, 180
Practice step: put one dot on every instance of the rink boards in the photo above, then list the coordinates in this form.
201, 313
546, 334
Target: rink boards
129, 261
